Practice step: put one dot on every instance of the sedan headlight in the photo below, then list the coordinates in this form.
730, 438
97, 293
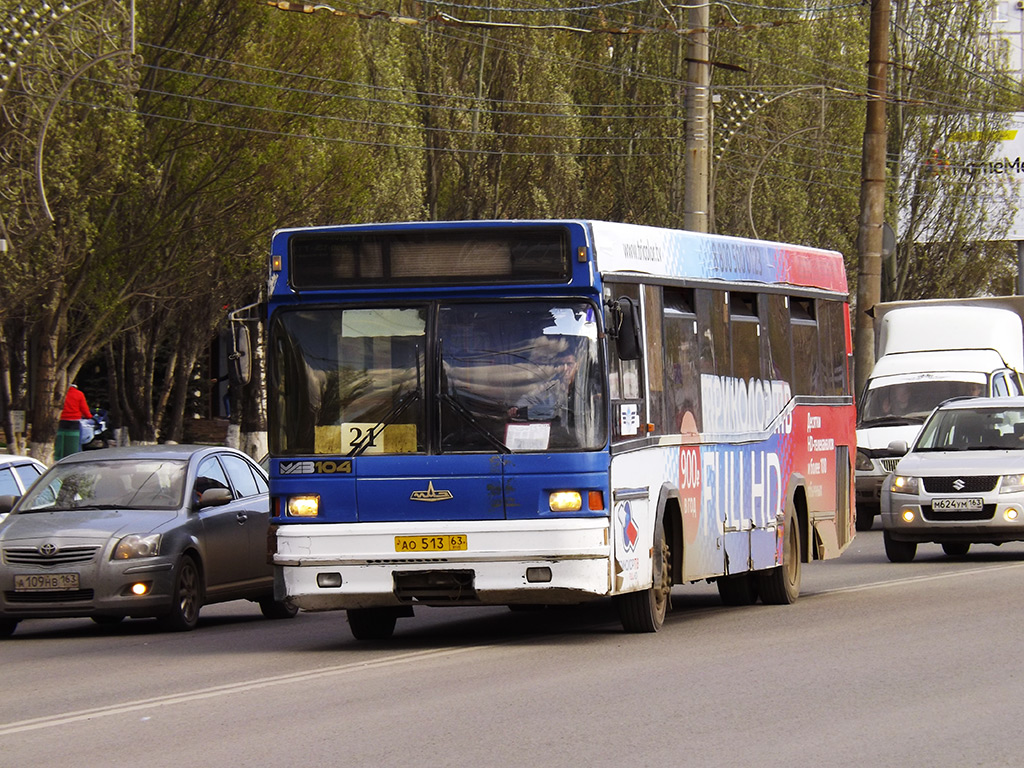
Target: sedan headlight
903, 484
864, 462
1011, 484
131, 547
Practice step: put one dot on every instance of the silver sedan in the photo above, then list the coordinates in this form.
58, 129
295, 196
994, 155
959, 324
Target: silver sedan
149, 531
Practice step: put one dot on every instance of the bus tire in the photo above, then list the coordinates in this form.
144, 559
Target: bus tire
898, 551
371, 623
645, 610
781, 585
740, 589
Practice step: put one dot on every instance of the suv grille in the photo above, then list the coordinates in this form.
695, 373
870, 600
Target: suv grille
63, 556
977, 484
889, 465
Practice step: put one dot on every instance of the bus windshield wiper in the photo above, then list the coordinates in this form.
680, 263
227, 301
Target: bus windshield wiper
468, 416
389, 417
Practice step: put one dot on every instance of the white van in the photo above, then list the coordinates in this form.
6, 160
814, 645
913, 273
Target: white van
929, 352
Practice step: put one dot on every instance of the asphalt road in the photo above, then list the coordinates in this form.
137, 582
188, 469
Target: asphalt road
877, 664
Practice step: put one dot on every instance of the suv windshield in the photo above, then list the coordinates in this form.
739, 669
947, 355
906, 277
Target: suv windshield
973, 429
496, 377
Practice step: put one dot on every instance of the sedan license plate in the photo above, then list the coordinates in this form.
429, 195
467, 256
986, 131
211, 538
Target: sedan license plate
441, 543
45, 582
957, 505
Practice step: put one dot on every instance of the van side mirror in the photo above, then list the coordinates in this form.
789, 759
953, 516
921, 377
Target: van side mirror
624, 327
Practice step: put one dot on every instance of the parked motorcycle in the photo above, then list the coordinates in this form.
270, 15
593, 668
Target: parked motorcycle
97, 432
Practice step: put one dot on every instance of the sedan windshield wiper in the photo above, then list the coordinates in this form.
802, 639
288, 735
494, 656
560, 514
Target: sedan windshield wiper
468, 416
389, 418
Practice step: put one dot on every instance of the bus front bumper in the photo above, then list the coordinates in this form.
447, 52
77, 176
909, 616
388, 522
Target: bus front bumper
322, 567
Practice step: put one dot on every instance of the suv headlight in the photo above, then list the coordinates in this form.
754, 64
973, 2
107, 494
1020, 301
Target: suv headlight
131, 547
1011, 484
904, 484
864, 462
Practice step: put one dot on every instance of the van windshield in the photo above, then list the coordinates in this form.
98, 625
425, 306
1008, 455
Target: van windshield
910, 402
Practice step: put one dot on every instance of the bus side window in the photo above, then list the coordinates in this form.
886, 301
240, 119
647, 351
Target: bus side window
682, 362
806, 358
624, 386
655, 359
833, 347
712, 321
746, 336
778, 365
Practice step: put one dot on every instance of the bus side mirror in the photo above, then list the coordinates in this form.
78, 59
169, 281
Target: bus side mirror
241, 359
624, 327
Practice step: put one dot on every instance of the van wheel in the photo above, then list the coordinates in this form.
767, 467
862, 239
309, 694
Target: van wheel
781, 585
898, 551
864, 520
956, 548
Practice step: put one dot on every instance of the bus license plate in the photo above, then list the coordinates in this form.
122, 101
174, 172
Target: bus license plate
443, 543
45, 582
957, 505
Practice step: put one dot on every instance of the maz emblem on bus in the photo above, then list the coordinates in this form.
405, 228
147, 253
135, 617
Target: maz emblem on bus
430, 494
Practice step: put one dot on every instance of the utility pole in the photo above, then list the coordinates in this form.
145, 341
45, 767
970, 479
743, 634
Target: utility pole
698, 134
872, 195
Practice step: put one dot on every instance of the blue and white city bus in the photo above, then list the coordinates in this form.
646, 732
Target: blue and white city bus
551, 412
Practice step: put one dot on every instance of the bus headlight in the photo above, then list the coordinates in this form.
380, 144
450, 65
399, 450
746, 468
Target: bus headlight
565, 501
303, 506
903, 484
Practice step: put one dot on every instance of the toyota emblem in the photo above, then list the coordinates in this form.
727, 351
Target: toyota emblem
48, 549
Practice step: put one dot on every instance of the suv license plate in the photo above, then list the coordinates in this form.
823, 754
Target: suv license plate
45, 582
957, 505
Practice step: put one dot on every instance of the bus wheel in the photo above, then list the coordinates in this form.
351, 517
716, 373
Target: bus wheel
781, 585
738, 590
898, 551
644, 611
371, 623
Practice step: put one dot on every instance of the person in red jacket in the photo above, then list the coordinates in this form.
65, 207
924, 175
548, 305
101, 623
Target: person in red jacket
69, 430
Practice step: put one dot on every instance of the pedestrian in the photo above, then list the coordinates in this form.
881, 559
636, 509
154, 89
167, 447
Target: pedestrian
69, 429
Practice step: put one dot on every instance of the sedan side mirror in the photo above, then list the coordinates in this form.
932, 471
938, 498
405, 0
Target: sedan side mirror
7, 503
214, 497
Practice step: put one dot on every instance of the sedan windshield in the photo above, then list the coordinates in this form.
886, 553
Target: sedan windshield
143, 484
981, 429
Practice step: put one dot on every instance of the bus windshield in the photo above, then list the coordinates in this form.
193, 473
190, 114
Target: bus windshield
499, 377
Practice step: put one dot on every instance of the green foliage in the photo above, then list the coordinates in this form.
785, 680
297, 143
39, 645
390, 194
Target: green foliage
167, 172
